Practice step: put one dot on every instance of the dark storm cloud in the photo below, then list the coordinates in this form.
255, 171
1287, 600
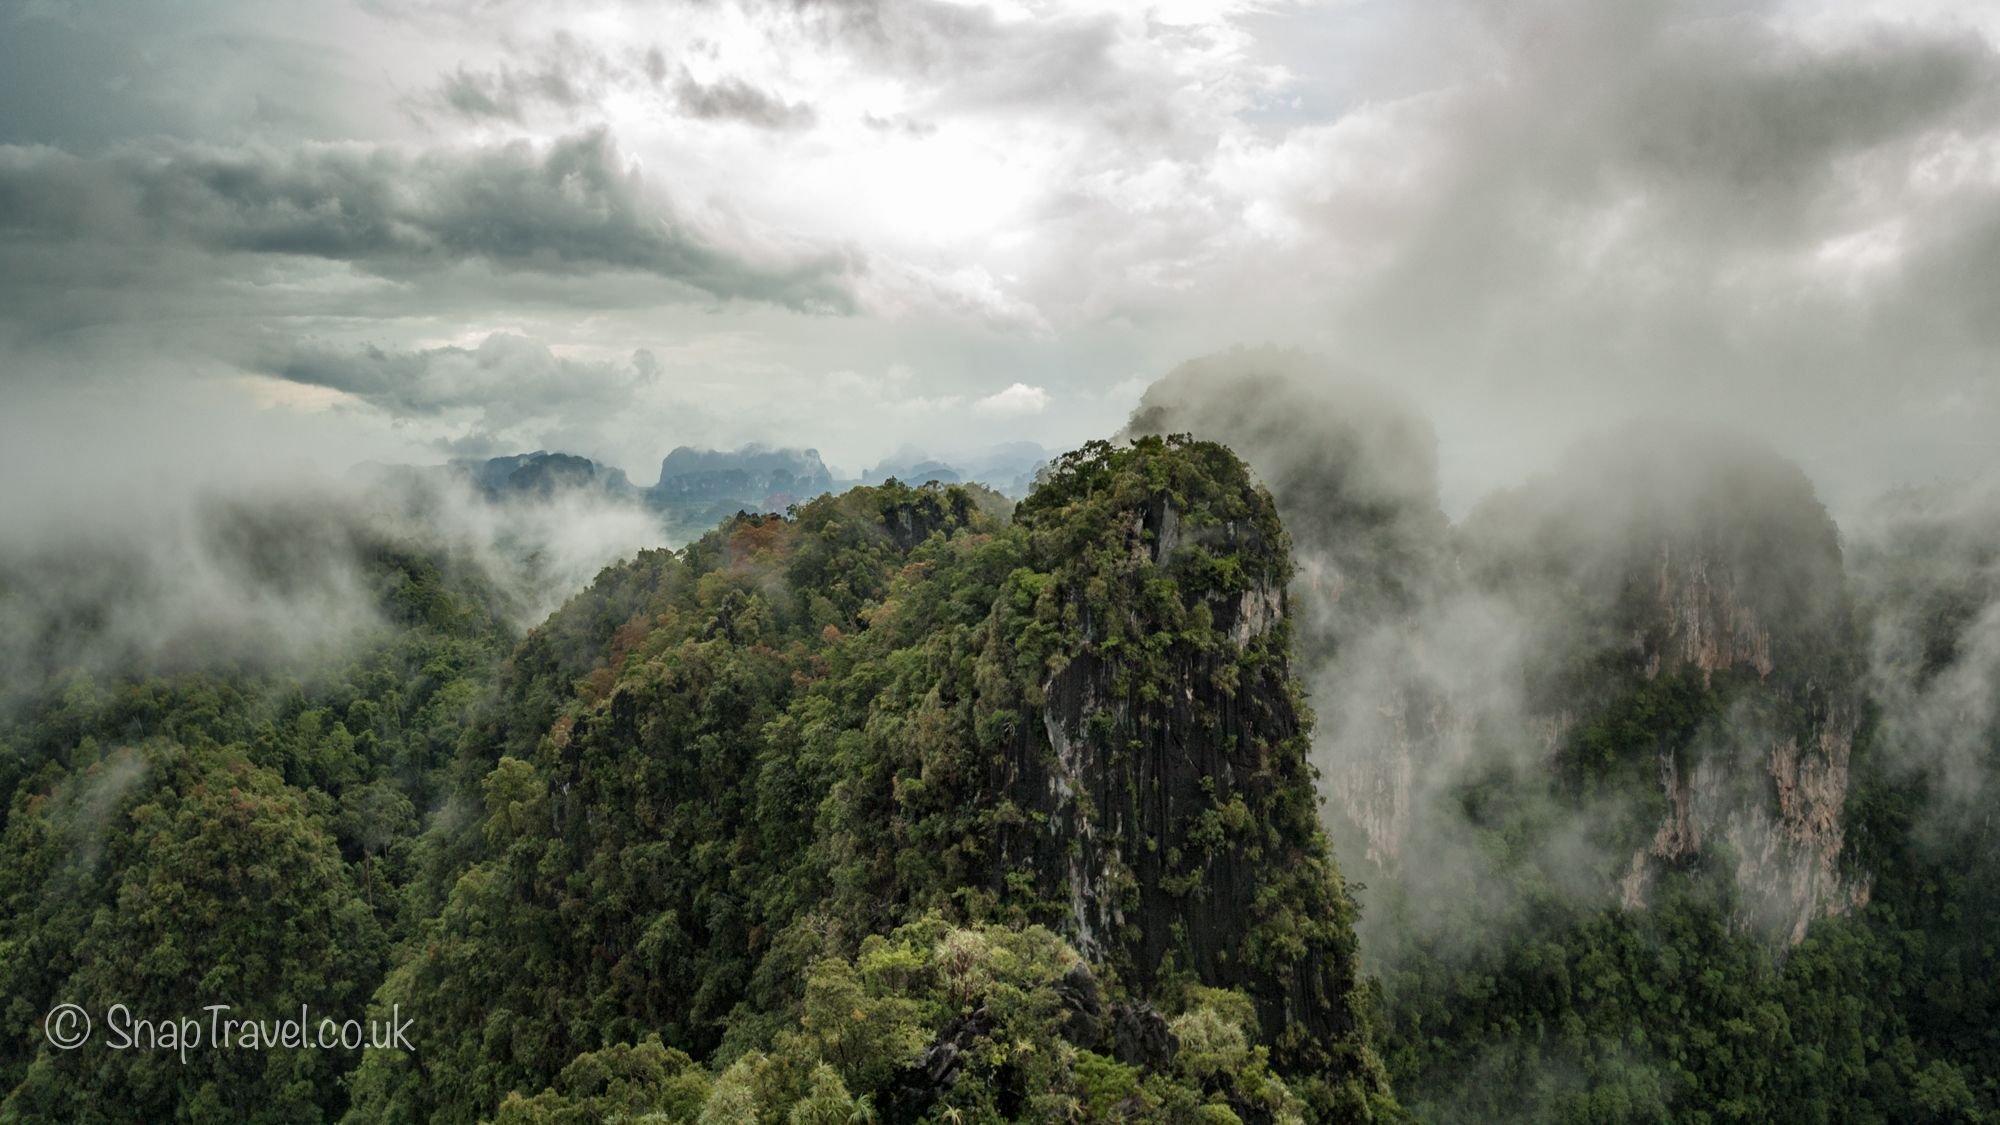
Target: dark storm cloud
972, 47
570, 208
432, 380
1743, 127
1529, 214
732, 99
565, 75
960, 58
970, 51
500, 93
972, 61
573, 79
1666, 159
513, 388
86, 75
1619, 208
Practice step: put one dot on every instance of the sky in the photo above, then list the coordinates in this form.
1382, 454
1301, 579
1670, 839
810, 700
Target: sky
245, 237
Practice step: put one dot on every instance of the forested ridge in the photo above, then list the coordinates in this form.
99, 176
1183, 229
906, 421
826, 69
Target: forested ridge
1789, 912
1672, 797
773, 826
915, 804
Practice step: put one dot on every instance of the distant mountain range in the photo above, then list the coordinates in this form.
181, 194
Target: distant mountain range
703, 485
1008, 468
760, 476
543, 474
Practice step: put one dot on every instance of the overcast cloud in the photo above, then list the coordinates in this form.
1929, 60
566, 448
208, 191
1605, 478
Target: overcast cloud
411, 231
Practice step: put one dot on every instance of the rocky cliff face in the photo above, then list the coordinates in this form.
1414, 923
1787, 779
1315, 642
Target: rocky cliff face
1440, 656
716, 474
1352, 466
1775, 787
1373, 784
542, 474
895, 707
1690, 607
1353, 469
1164, 767
1134, 776
1703, 617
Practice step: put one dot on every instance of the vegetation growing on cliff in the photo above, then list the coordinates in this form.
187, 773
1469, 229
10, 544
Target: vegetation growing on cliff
890, 706
901, 804
1657, 822
228, 836
914, 805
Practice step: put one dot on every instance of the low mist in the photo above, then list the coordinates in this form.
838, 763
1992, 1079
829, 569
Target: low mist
1454, 666
1926, 572
276, 575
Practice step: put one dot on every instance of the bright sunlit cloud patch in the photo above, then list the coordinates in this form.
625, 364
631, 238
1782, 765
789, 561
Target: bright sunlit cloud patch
1017, 401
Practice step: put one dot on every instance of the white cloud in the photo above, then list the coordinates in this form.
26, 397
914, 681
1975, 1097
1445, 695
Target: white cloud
1791, 197
1017, 401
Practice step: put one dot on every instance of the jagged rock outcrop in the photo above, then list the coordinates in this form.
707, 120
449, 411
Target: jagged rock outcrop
1670, 572
1351, 464
912, 519
542, 475
1776, 790
1164, 769
1437, 656
1353, 469
748, 475
1373, 783
894, 707
1123, 803
1703, 619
